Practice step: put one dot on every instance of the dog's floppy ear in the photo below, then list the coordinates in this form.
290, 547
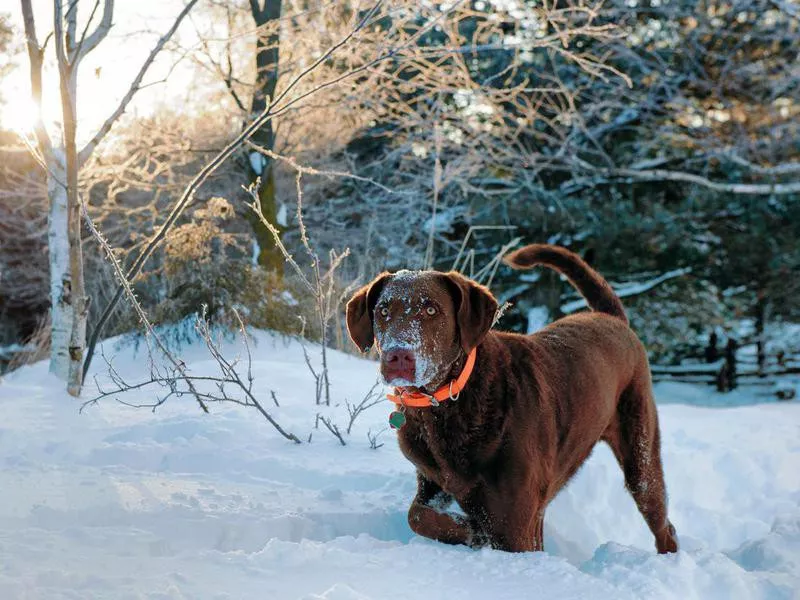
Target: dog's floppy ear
475, 306
360, 312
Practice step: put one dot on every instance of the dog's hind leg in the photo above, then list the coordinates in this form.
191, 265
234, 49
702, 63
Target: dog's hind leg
635, 440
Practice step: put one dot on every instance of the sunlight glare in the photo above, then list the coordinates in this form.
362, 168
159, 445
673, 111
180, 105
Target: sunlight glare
19, 116
19, 112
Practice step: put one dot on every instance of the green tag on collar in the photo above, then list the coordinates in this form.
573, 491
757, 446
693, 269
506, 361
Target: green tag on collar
397, 419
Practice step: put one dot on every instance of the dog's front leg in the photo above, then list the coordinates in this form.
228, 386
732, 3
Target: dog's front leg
427, 517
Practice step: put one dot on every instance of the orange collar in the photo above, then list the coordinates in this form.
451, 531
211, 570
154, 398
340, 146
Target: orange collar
448, 391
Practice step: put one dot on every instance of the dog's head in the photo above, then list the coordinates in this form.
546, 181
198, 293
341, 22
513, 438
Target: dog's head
422, 323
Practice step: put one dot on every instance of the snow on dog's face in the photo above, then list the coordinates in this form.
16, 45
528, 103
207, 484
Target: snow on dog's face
422, 322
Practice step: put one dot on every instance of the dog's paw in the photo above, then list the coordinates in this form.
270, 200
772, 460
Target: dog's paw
667, 540
478, 539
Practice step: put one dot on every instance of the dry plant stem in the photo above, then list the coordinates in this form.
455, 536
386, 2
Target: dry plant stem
321, 286
229, 371
333, 428
460, 263
373, 438
134, 302
314, 374
172, 379
437, 186
486, 274
501, 310
370, 399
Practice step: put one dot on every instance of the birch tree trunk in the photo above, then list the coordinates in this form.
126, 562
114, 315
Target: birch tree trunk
79, 300
60, 275
70, 305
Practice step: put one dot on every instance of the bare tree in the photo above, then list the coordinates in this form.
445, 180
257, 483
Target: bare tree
266, 15
295, 93
62, 161
447, 134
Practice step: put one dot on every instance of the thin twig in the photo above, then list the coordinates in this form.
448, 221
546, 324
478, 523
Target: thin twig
333, 428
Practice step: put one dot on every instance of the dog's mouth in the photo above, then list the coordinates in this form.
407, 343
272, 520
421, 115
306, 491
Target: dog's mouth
399, 378
405, 381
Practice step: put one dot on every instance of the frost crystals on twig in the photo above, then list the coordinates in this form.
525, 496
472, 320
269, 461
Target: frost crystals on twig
321, 284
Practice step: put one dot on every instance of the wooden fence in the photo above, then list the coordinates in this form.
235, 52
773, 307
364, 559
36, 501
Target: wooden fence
729, 372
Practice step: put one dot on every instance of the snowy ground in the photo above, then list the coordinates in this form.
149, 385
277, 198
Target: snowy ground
123, 503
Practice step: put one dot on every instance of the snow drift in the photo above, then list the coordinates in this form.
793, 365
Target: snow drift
125, 503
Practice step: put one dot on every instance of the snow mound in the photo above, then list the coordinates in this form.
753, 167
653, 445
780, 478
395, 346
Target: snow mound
123, 503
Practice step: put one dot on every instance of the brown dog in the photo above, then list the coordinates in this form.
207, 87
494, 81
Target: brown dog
531, 410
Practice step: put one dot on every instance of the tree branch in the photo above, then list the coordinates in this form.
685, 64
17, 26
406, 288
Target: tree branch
87, 44
780, 169
754, 189
35, 56
58, 27
72, 26
177, 364
87, 150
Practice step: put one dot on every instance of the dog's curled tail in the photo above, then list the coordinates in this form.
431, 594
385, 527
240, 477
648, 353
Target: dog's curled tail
587, 281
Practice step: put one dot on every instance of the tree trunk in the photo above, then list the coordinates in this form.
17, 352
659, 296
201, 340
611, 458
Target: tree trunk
80, 303
70, 305
60, 274
267, 55
761, 318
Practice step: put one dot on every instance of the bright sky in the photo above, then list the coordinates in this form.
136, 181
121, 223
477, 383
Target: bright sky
105, 75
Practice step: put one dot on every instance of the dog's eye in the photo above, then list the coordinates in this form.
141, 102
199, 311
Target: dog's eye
431, 310
384, 311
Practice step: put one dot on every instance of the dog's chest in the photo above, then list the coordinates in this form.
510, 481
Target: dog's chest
441, 448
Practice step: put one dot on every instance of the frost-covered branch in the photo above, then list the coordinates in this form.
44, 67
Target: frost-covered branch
370, 399
602, 175
332, 427
175, 380
178, 364
321, 285
93, 40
